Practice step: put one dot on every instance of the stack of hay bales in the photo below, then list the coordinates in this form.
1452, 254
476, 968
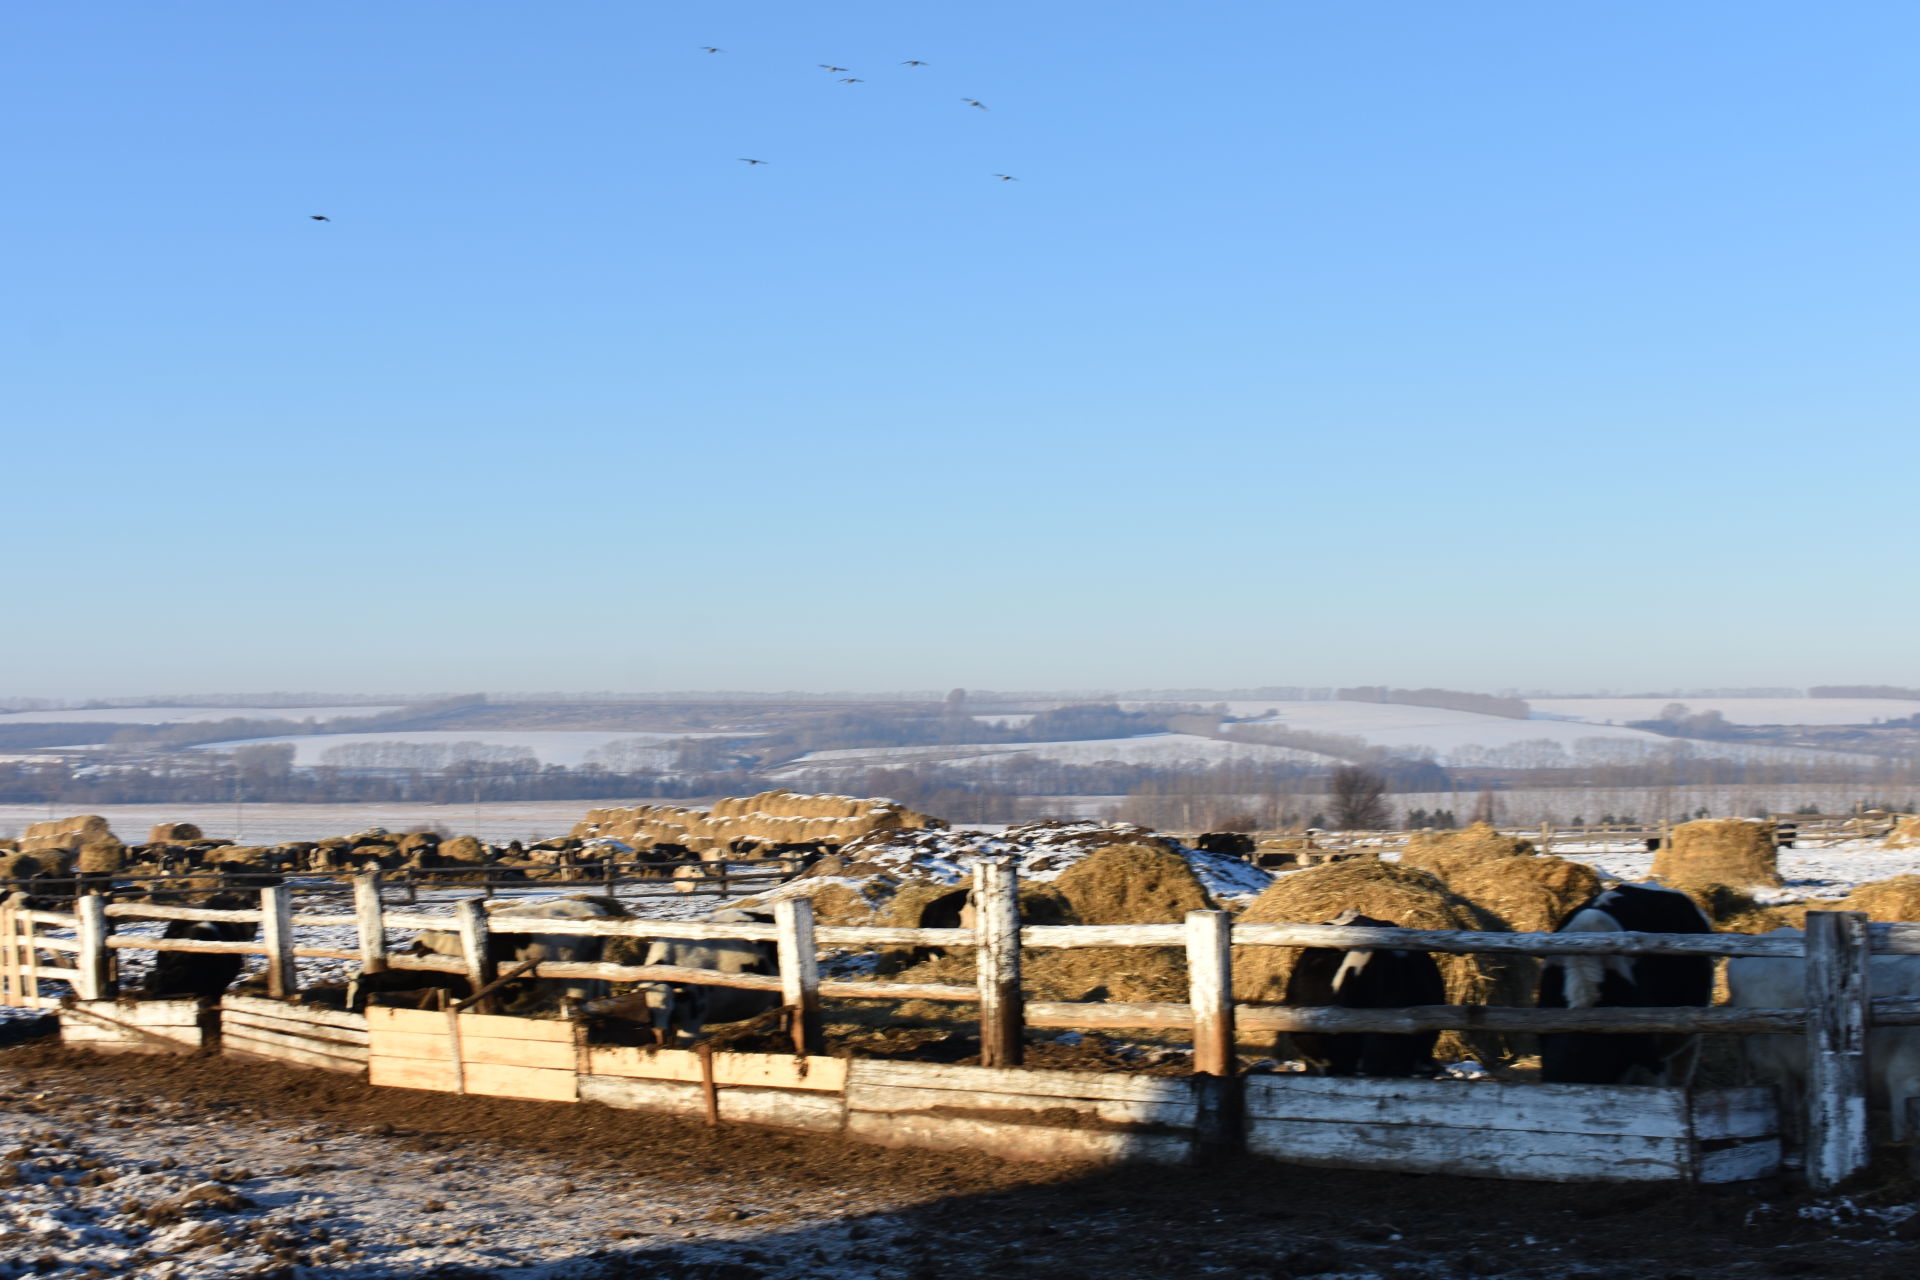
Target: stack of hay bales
1738, 852
1905, 833
71, 834
464, 849
100, 857
1528, 891
771, 817
174, 833
1410, 897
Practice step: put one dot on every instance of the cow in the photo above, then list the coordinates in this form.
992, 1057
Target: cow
1893, 1053
507, 949
1366, 979
201, 975
1234, 844
1589, 982
685, 1008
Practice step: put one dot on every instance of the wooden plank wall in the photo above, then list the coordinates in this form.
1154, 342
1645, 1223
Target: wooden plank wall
128, 1026
472, 1053
302, 1035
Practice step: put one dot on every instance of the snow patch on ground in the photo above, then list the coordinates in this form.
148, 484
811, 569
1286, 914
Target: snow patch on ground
1168, 750
1803, 711
185, 715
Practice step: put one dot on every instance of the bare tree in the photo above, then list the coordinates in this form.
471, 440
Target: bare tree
1357, 798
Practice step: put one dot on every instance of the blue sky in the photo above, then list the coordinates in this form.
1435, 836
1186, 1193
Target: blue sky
1488, 345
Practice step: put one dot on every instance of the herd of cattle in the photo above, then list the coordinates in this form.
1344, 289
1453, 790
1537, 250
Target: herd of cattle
1349, 978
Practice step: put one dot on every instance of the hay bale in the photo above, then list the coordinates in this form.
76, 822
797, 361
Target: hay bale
1530, 894
460, 849
1447, 853
100, 858
19, 866
66, 833
1132, 884
1889, 901
1732, 851
416, 841
174, 833
1410, 897
1905, 833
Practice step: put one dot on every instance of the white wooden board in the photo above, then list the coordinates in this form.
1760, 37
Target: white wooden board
777, 1108
1486, 1153
1013, 1141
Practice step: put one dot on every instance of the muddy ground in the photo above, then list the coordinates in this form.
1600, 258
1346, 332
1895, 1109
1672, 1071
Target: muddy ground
199, 1166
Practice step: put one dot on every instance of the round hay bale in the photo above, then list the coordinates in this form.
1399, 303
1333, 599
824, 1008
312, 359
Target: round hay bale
1890, 901
1905, 833
1447, 853
1412, 898
1132, 884
174, 833
1732, 851
19, 866
1530, 894
459, 849
414, 841
100, 858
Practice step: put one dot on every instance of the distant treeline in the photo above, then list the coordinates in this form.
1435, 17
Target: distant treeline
1485, 704
1863, 691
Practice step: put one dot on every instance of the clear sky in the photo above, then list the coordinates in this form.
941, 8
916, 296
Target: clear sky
1487, 345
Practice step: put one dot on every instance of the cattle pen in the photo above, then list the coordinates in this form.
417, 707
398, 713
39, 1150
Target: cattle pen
1514, 1130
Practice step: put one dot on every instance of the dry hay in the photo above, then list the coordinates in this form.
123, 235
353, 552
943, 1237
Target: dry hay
1888, 901
66, 833
174, 833
1132, 884
1530, 894
415, 842
1905, 833
1410, 897
20, 866
100, 858
1447, 853
1735, 851
771, 817
462, 849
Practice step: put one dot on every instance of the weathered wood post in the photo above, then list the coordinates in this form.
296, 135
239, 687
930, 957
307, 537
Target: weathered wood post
369, 922
1210, 993
1837, 996
996, 907
276, 931
470, 917
94, 961
799, 971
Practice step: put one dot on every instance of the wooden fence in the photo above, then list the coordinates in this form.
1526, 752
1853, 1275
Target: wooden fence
1836, 947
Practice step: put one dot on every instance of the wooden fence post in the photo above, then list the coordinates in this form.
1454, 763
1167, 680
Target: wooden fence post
95, 962
996, 907
1217, 1124
276, 932
369, 922
1836, 999
799, 971
470, 916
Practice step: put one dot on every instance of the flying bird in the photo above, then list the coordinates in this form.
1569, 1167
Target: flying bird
1006, 177
913, 62
320, 217
744, 160
851, 80
975, 102
825, 67
707, 48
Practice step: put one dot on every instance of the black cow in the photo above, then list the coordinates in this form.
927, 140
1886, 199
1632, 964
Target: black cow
1235, 844
198, 974
1360, 979
1593, 982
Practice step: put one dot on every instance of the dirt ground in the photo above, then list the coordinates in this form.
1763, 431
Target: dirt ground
608, 1193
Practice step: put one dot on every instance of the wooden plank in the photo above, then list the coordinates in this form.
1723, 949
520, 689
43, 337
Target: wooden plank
1117, 1085
381, 1018
499, 1027
1446, 1017
1487, 1153
608, 928
799, 964
1210, 991
1538, 944
435, 964
1550, 1108
1015, 1141
284, 1056
730, 1070
161, 911
308, 920
295, 1048
411, 1073
276, 934
369, 927
1837, 994
857, 990
1170, 1113
230, 1018
470, 920
316, 1014
1751, 1112
876, 936
996, 905
414, 1046
1062, 1013
1740, 1163
490, 1051
67, 946
774, 1108
145, 1013
658, 973
498, 1081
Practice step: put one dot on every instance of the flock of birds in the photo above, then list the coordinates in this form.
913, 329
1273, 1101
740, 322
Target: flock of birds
830, 69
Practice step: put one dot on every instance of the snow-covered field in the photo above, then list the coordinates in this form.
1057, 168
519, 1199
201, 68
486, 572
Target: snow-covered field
185, 715
571, 747
1166, 749
497, 821
1807, 711
1465, 738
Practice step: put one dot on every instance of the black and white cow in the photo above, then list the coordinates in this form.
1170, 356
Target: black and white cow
1589, 982
676, 1009
198, 974
507, 949
1362, 979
